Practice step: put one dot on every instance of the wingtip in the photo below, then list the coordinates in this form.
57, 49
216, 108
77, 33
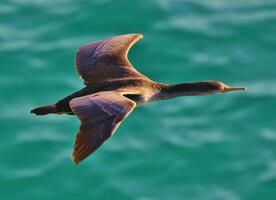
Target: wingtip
138, 36
134, 36
75, 161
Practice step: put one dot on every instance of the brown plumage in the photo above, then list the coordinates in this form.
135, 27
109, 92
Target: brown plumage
113, 89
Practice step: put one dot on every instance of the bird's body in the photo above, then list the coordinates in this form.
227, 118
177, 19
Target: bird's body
113, 89
139, 90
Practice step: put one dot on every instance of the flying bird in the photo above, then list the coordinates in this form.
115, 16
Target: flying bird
113, 88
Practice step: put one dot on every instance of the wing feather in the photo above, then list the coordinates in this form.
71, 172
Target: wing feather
100, 115
107, 59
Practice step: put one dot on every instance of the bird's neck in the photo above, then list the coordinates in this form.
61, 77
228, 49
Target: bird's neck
184, 89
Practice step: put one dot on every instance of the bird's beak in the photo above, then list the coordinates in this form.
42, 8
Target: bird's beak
229, 89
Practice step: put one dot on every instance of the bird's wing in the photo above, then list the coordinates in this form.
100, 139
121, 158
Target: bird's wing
107, 59
100, 115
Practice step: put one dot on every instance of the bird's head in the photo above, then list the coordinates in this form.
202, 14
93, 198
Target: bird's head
219, 87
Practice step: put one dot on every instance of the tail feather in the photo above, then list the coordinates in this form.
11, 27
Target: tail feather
44, 110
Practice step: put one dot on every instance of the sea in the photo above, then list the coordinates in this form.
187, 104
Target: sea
220, 147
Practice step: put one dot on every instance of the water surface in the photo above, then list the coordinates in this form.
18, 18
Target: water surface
212, 147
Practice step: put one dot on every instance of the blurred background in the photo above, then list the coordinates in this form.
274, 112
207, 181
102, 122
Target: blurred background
203, 148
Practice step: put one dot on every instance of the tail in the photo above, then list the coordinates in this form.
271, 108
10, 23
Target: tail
44, 110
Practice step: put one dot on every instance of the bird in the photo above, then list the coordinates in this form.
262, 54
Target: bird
113, 89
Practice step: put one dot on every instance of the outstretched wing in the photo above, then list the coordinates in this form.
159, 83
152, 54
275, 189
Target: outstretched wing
107, 59
100, 114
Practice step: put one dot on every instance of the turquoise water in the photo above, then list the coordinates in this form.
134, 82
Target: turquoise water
203, 148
